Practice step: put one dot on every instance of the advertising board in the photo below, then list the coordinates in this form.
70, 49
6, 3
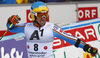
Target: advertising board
88, 31
88, 11
13, 48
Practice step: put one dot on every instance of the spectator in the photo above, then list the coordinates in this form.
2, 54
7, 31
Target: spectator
22, 1
31, 1
13, 1
0, 1
50, 0
9, 2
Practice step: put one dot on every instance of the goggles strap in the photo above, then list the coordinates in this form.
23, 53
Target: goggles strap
34, 13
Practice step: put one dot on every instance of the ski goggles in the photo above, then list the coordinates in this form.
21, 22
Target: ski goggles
40, 14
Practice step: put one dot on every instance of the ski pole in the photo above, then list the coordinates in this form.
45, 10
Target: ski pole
6, 31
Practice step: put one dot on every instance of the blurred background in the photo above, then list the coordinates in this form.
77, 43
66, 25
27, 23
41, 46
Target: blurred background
31, 1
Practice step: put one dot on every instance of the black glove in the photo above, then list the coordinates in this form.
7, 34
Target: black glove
92, 50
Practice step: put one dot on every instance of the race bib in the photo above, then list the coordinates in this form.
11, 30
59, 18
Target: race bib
39, 50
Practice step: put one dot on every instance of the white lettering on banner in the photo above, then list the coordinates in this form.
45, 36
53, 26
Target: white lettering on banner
93, 13
80, 35
65, 42
87, 33
58, 42
13, 50
84, 33
85, 13
29, 17
90, 33
80, 16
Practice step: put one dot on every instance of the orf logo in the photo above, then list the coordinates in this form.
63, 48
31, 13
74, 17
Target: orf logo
28, 16
85, 13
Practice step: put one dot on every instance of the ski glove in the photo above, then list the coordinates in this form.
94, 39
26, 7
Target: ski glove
92, 50
14, 19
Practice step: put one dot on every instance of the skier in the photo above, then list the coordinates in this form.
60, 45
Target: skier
40, 34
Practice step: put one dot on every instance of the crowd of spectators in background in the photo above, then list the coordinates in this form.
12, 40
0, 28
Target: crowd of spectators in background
13, 1
32, 1
26, 1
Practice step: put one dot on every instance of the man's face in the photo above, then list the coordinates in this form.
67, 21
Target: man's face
41, 17
41, 21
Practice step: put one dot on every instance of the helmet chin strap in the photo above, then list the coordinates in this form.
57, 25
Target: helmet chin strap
36, 24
